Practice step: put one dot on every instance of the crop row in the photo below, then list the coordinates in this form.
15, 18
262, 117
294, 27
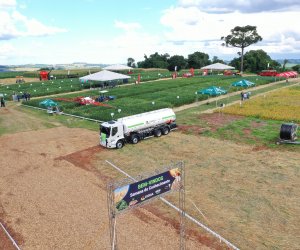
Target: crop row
133, 99
280, 105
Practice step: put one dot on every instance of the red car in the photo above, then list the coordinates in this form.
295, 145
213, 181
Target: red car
187, 75
268, 73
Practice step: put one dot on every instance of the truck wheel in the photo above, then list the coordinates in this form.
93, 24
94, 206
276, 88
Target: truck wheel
157, 133
165, 131
134, 139
119, 144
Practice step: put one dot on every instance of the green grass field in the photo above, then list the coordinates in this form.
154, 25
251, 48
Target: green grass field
149, 96
258, 120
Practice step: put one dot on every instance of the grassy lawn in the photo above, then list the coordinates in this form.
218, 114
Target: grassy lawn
37, 120
254, 131
257, 122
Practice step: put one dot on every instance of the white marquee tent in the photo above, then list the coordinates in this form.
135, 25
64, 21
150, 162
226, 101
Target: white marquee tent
117, 67
217, 66
103, 76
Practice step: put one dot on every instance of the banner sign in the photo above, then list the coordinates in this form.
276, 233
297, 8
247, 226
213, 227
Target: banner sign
128, 196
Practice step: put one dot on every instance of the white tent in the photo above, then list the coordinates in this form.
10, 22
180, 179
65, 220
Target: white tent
117, 67
217, 66
104, 75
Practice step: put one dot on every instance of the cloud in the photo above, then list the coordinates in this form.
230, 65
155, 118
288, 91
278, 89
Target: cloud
7, 4
13, 25
6, 51
130, 43
127, 26
207, 28
243, 6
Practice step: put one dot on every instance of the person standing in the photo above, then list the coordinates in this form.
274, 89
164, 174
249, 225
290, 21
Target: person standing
2, 101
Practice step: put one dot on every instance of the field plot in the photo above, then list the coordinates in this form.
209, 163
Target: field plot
148, 96
43, 88
257, 122
56, 194
281, 105
63, 84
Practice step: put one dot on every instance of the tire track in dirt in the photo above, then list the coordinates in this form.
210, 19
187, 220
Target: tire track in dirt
5, 242
174, 223
84, 158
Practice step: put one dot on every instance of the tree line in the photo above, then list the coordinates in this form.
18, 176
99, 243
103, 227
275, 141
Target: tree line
240, 37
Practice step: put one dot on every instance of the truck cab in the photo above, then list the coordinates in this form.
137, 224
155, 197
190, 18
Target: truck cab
112, 134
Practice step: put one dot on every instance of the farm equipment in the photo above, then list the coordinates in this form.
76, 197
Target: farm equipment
83, 100
231, 72
103, 98
132, 129
45, 75
288, 134
20, 79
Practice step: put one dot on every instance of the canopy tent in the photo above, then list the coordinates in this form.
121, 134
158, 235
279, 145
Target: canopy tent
217, 66
117, 67
103, 76
243, 83
288, 74
48, 103
213, 91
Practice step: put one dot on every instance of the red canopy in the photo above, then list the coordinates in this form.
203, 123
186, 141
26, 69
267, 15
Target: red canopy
288, 74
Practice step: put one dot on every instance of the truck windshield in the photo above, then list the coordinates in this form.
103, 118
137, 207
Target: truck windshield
105, 130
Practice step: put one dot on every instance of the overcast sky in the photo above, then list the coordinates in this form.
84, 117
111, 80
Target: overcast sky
108, 32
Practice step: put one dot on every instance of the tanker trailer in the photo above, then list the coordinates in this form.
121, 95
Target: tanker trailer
132, 129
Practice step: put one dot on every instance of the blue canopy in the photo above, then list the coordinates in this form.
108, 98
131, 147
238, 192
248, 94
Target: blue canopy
212, 91
48, 103
243, 83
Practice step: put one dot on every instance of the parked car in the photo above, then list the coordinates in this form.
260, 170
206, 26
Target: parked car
187, 75
268, 73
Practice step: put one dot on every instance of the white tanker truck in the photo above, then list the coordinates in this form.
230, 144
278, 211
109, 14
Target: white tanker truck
132, 129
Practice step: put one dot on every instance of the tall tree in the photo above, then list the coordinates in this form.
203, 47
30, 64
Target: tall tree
131, 62
296, 68
242, 37
285, 61
178, 61
215, 59
198, 60
155, 61
255, 61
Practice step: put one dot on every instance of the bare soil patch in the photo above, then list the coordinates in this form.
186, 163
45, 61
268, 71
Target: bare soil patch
218, 120
52, 191
8, 81
211, 122
5, 243
193, 129
247, 195
54, 198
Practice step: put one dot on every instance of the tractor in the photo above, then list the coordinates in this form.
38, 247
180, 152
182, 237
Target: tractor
102, 97
45, 75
